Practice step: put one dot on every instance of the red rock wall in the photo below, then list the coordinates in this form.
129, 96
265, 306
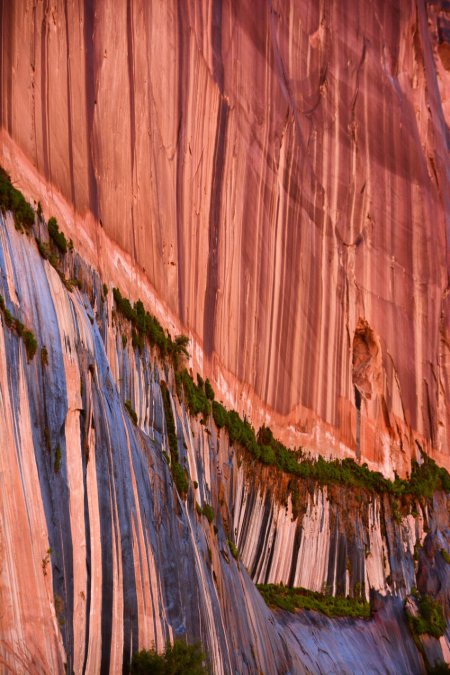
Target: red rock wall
278, 172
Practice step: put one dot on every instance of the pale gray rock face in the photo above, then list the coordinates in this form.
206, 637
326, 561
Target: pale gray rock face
100, 557
277, 174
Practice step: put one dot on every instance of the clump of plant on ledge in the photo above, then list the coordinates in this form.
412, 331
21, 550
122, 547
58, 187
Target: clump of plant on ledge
425, 478
57, 236
13, 200
17, 326
233, 549
179, 658
131, 411
446, 556
208, 512
54, 249
200, 398
292, 599
195, 394
145, 325
430, 619
178, 473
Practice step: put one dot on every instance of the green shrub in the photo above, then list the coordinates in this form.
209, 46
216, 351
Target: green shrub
180, 478
178, 473
14, 201
9, 319
30, 344
208, 512
431, 618
220, 415
46, 253
131, 411
57, 465
446, 556
195, 396
147, 326
18, 327
56, 235
233, 549
209, 391
178, 659
292, 599
74, 282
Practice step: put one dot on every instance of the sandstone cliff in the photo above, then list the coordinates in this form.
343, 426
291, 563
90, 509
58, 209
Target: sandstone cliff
101, 556
274, 178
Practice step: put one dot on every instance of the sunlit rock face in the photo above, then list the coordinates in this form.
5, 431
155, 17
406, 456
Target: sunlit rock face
277, 174
100, 557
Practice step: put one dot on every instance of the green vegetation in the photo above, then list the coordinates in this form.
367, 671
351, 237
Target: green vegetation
131, 411
425, 479
147, 326
17, 326
209, 391
208, 512
233, 549
57, 236
13, 200
73, 283
446, 556
178, 473
30, 343
196, 399
200, 398
291, 599
57, 465
47, 253
431, 618
178, 659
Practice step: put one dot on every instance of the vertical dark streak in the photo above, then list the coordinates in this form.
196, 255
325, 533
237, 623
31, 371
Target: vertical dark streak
182, 76
5, 69
295, 552
69, 108
34, 54
358, 422
270, 559
104, 471
212, 276
217, 44
44, 112
264, 533
87, 526
130, 604
90, 76
130, 61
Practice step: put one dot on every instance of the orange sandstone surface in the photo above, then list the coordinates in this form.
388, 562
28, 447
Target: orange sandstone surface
271, 178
